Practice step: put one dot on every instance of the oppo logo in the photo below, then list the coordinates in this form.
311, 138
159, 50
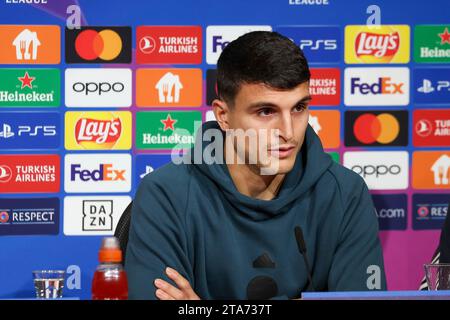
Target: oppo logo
98, 87
377, 171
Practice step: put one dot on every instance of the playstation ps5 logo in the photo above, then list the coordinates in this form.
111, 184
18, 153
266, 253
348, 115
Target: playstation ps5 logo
6, 131
427, 86
148, 169
319, 44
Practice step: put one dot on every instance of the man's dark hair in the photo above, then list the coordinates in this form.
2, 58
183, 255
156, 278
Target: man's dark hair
260, 57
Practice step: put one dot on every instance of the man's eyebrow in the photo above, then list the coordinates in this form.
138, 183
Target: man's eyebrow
260, 104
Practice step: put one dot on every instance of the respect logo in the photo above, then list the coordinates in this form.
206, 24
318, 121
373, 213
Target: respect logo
381, 44
98, 130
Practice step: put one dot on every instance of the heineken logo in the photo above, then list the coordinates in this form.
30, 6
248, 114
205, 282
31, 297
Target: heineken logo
432, 44
445, 36
166, 130
168, 123
29, 88
26, 81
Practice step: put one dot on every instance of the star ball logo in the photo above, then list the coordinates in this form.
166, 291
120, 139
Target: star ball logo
377, 44
98, 45
376, 128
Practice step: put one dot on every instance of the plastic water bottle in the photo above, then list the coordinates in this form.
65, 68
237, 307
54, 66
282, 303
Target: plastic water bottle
110, 280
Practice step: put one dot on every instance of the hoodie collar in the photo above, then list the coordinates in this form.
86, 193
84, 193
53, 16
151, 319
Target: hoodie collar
311, 162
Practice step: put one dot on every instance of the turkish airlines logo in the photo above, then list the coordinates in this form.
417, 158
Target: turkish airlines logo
424, 128
431, 128
5, 174
325, 86
169, 44
29, 173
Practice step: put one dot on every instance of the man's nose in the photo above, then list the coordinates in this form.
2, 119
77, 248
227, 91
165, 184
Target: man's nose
286, 127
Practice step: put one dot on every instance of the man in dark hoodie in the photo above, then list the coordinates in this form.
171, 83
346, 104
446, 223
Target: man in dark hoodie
226, 230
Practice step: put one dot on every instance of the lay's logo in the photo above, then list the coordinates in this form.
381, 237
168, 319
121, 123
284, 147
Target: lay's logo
98, 130
377, 45
382, 44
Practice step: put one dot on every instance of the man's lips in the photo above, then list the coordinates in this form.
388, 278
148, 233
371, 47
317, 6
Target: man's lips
283, 151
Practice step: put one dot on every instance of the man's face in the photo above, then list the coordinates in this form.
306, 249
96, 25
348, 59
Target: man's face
280, 117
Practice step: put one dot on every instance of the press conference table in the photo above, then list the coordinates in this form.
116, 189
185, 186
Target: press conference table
378, 295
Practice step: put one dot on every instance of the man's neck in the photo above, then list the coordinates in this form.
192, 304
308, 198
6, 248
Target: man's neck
249, 182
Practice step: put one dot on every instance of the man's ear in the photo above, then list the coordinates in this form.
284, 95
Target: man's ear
221, 112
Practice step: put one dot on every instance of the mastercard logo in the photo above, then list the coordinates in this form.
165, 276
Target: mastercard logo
105, 45
99, 44
383, 128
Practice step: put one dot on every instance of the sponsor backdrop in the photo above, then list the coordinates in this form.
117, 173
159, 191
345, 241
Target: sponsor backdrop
85, 114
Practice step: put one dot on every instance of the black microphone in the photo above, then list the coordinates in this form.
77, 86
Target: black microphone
302, 248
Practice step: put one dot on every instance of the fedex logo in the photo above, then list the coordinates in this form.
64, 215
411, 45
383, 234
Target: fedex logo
105, 172
218, 37
376, 86
219, 43
384, 85
88, 173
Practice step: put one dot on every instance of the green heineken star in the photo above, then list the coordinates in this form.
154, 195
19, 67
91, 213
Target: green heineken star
29, 88
432, 44
166, 130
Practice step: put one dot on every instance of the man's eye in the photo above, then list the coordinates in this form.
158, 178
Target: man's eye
300, 108
265, 112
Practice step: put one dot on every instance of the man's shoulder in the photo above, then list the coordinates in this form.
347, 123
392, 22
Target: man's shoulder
345, 179
170, 177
